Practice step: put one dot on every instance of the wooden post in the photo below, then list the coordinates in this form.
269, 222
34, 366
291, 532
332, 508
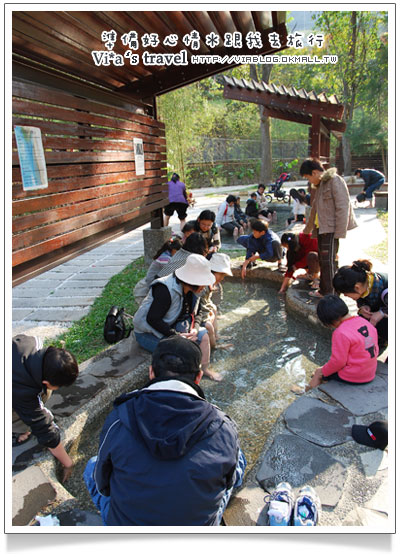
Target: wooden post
157, 218
315, 136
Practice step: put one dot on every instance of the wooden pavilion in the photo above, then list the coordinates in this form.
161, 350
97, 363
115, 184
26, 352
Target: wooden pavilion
321, 113
89, 114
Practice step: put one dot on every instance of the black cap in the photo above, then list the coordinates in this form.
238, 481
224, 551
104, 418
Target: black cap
186, 355
374, 435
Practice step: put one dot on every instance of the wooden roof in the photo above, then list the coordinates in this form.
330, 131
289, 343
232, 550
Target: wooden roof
61, 43
288, 103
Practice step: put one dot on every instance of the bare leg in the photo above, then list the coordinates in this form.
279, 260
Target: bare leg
166, 220
205, 360
183, 222
211, 333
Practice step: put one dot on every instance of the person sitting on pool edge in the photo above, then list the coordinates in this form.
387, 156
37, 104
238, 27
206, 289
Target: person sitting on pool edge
354, 356
173, 301
261, 244
205, 225
166, 457
226, 216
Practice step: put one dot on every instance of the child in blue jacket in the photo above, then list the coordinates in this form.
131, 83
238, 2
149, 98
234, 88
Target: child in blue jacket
261, 244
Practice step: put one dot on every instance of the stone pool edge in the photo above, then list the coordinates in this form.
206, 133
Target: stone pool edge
72, 426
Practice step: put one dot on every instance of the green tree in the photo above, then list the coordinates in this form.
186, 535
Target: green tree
354, 37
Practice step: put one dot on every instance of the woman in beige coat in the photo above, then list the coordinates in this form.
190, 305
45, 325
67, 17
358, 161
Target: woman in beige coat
330, 218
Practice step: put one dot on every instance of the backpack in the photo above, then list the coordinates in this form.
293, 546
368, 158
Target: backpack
115, 327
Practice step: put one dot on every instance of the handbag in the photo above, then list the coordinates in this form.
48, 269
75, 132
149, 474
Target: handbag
115, 326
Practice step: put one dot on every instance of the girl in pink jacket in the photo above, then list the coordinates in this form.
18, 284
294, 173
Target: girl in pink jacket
354, 345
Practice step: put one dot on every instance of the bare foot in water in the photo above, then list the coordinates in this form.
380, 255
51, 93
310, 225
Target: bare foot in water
226, 345
297, 390
215, 376
223, 337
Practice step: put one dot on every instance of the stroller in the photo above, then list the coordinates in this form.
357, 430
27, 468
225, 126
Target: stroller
276, 190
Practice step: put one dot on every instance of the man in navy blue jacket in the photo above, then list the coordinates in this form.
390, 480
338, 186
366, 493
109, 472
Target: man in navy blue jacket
261, 244
373, 180
167, 457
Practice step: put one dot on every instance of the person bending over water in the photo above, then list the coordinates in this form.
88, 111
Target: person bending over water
302, 253
370, 291
354, 345
261, 244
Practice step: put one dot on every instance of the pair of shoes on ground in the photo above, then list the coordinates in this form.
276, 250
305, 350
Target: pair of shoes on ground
284, 510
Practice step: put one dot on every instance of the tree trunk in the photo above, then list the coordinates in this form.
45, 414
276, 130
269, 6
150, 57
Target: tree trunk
346, 156
384, 162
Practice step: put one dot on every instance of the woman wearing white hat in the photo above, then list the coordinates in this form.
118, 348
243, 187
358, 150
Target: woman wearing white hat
171, 300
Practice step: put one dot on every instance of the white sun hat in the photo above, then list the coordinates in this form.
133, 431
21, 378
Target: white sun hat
221, 263
196, 271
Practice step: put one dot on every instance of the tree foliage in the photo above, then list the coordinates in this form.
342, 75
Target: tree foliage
359, 79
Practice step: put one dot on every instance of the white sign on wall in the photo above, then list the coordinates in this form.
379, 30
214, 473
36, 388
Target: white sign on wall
31, 157
139, 156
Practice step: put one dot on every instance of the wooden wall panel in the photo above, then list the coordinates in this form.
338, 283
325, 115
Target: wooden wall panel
93, 189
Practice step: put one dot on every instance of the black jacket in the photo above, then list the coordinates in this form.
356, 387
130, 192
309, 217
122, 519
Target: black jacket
27, 386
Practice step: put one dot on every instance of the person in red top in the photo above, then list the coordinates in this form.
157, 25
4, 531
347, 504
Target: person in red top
302, 253
354, 345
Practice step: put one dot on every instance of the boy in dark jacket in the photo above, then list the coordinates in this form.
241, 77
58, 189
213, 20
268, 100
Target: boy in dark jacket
36, 372
167, 457
261, 244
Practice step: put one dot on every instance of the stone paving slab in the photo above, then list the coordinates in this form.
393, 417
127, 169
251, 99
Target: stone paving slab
318, 422
59, 315
29, 292
25, 454
28, 303
374, 461
83, 291
79, 280
359, 399
299, 462
68, 400
247, 508
120, 359
62, 302
366, 517
45, 284
119, 261
380, 501
55, 275
19, 313
31, 491
104, 268
99, 276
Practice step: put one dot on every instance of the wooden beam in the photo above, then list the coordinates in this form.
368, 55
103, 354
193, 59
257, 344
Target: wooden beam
283, 102
164, 81
328, 125
26, 71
